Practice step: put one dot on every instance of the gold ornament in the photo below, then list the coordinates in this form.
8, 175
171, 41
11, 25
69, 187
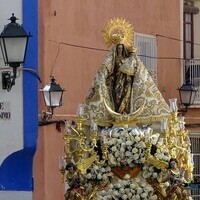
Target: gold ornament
118, 31
125, 119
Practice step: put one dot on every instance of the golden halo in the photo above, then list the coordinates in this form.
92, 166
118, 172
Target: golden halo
118, 31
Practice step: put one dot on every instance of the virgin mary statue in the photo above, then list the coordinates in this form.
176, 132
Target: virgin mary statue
123, 84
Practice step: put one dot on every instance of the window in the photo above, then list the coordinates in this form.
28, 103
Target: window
188, 36
147, 52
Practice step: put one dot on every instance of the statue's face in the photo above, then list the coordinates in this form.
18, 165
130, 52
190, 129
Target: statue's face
173, 164
71, 169
120, 49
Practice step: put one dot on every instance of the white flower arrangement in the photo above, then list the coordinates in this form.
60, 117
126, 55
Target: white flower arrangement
99, 172
126, 146
162, 154
128, 188
150, 172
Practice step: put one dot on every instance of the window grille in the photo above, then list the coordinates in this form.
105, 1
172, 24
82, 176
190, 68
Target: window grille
195, 150
191, 72
147, 52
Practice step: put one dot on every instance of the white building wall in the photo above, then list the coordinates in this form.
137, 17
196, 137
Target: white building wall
11, 129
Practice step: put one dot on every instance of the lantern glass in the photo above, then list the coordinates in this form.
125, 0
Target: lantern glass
13, 41
14, 49
53, 94
53, 99
187, 94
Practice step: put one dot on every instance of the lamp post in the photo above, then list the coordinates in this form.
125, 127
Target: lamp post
13, 42
187, 94
52, 93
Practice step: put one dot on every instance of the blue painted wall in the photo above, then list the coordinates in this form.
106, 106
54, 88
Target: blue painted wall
16, 170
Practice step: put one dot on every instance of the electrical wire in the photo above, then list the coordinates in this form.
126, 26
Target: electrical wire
179, 40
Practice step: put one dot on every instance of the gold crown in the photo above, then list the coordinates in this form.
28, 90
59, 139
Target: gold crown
118, 31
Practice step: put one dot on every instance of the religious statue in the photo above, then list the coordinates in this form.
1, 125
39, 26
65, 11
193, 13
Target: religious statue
123, 82
122, 155
74, 180
175, 177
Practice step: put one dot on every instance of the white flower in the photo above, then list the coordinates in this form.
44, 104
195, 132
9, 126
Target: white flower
104, 177
114, 148
142, 144
88, 176
151, 169
137, 197
127, 176
123, 144
99, 176
131, 165
155, 175
111, 186
133, 185
134, 150
116, 193
108, 169
125, 197
139, 190
121, 190
127, 190
137, 180
118, 185
137, 138
119, 141
102, 170
149, 188
143, 195
103, 192
136, 156
129, 142
116, 135
128, 161
166, 184
154, 197
143, 184
117, 154
146, 174
123, 133
130, 195
112, 159
128, 153
110, 142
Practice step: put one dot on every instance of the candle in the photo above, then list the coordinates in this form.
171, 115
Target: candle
61, 162
80, 111
94, 126
104, 139
173, 105
164, 125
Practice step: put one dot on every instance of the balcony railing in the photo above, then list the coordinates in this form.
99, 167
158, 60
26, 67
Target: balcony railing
191, 75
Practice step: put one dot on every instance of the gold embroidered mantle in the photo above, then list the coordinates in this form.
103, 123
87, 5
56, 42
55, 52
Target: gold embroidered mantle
143, 89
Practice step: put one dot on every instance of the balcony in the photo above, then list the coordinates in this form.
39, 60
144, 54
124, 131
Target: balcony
191, 75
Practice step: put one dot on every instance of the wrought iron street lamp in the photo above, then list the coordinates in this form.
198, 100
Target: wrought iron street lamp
13, 42
52, 93
187, 94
